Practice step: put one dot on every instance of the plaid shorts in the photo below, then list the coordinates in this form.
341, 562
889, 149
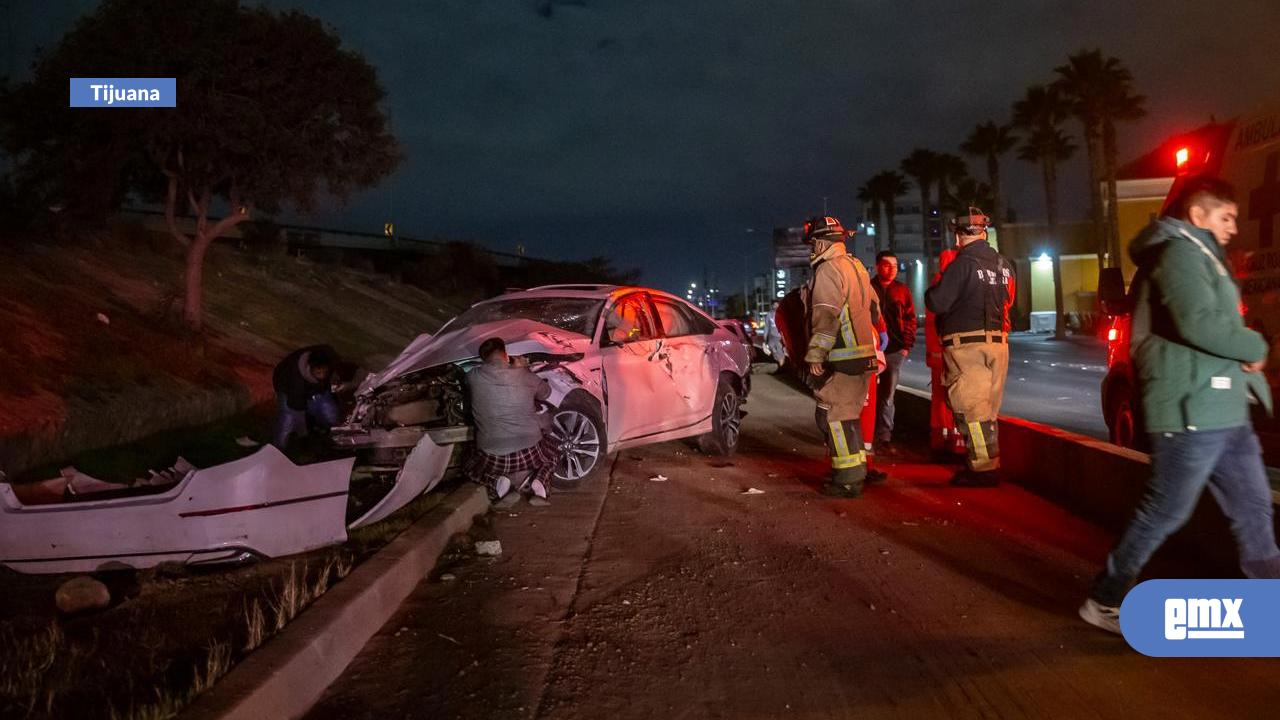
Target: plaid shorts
542, 459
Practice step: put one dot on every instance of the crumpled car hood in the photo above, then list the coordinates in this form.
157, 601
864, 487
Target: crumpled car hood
522, 337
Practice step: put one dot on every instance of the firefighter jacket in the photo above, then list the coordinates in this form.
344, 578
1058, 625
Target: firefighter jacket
1189, 338
843, 313
974, 293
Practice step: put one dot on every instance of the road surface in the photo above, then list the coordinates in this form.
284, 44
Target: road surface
686, 598
1057, 383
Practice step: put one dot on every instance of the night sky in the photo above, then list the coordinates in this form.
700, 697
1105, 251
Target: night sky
657, 132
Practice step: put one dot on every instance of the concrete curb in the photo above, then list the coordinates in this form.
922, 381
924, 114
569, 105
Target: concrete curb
288, 674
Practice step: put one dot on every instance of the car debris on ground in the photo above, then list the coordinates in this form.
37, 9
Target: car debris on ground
489, 548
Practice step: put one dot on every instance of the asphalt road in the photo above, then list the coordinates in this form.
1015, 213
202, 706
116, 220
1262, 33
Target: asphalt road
686, 598
1053, 382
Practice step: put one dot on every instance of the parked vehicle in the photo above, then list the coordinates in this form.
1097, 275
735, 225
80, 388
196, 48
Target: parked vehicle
628, 366
742, 330
1245, 153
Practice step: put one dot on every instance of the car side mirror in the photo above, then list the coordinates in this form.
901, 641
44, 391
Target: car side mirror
1111, 292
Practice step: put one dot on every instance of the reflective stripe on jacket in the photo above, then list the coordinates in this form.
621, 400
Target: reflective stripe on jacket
843, 311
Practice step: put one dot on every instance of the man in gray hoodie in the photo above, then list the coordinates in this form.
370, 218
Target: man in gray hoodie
509, 429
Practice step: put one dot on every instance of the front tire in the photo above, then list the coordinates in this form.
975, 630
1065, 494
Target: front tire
726, 422
578, 427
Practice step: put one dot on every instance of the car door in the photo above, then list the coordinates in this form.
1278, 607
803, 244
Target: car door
685, 360
637, 389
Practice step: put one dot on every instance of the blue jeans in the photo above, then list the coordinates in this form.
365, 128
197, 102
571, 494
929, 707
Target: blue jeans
322, 411
887, 385
1229, 462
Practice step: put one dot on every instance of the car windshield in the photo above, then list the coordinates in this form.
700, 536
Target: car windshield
575, 315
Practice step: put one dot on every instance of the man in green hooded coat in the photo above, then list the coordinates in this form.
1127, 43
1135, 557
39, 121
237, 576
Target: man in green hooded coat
1197, 364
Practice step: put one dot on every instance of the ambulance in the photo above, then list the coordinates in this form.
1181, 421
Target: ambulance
1246, 153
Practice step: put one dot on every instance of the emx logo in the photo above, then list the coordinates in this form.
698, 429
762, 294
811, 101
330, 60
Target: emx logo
1203, 618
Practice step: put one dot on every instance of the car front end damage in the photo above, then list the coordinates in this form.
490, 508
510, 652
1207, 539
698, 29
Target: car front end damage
411, 423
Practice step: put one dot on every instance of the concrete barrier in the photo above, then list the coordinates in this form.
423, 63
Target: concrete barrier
1092, 478
286, 676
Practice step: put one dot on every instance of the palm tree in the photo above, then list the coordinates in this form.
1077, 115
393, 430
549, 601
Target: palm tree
970, 192
888, 186
1122, 104
1041, 113
1100, 90
989, 141
922, 166
871, 210
952, 170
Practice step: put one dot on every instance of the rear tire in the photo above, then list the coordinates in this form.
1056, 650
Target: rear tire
726, 422
1124, 424
577, 424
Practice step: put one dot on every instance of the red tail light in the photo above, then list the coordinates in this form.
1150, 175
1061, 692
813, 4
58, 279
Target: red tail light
1112, 334
1182, 157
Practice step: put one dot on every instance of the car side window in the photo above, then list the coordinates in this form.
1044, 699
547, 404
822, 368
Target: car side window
676, 321
629, 321
698, 323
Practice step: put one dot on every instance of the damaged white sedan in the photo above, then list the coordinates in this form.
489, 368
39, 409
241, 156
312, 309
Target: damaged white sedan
627, 366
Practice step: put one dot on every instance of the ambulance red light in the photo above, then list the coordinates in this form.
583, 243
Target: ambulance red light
1112, 334
1182, 156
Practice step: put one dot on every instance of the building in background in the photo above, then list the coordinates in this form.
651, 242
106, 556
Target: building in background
869, 238
1029, 246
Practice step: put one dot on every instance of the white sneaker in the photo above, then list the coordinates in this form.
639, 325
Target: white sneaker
539, 490
1101, 616
502, 486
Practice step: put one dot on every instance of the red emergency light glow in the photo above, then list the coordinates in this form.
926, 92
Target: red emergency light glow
1112, 335
1182, 156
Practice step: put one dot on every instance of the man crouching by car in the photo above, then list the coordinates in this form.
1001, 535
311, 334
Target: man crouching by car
510, 433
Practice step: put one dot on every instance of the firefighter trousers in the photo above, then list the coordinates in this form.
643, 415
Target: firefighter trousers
974, 375
840, 403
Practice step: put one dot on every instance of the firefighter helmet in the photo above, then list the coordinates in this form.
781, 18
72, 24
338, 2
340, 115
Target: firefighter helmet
823, 227
972, 222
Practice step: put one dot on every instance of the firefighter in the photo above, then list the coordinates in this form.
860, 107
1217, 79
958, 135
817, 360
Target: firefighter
841, 355
971, 302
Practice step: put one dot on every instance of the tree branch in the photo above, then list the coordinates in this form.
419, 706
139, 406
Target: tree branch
202, 214
231, 220
170, 205
191, 201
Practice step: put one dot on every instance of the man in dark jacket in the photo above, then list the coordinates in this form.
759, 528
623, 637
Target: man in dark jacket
1197, 365
971, 301
899, 312
304, 395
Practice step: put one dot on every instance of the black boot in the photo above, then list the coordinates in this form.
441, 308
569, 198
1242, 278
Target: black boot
845, 483
831, 489
974, 479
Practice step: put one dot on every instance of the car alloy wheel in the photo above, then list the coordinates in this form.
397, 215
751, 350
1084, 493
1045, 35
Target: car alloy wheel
731, 422
726, 422
580, 441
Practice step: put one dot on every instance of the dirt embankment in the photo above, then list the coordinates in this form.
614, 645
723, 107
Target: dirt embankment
93, 354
